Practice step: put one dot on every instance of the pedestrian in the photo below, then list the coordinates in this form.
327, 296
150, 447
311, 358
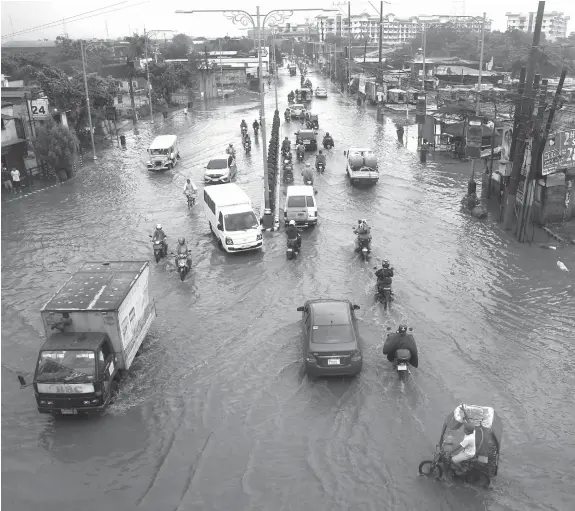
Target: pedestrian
400, 132
185, 110
15, 179
6, 179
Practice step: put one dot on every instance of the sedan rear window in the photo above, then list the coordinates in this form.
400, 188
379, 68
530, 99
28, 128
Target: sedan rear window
296, 201
331, 313
218, 164
306, 135
336, 334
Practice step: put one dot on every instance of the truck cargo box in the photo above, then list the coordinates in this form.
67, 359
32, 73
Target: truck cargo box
108, 297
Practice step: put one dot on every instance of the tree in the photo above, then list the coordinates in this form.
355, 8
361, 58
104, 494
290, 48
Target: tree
177, 48
55, 145
23, 66
136, 50
167, 79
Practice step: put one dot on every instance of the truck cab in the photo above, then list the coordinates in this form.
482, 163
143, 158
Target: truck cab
75, 374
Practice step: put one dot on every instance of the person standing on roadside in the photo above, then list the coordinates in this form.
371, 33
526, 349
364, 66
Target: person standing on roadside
15, 179
7, 179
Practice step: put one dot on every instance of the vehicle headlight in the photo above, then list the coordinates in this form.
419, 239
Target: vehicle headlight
258, 237
310, 359
229, 241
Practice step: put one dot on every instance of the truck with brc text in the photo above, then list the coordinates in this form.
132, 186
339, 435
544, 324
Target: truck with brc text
94, 326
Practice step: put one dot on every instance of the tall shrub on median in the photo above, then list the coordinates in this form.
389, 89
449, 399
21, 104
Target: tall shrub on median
55, 145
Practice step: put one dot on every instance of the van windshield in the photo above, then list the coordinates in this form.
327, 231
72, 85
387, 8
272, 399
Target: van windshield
240, 221
66, 366
157, 152
218, 164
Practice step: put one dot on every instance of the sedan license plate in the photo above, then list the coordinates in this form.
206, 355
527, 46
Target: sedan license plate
70, 411
402, 367
333, 361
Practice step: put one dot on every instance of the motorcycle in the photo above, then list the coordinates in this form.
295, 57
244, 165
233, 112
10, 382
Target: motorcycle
160, 248
191, 200
288, 171
247, 147
384, 295
287, 117
244, 131
293, 248
320, 166
256, 129
300, 156
402, 358
290, 99
182, 265
364, 247
327, 144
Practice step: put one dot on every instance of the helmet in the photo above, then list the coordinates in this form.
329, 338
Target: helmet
159, 226
385, 263
287, 138
326, 134
320, 151
231, 144
308, 164
359, 221
363, 221
188, 180
181, 241
243, 120
468, 428
292, 222
402, 329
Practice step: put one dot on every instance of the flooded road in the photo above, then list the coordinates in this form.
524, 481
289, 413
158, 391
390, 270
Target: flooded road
216, 414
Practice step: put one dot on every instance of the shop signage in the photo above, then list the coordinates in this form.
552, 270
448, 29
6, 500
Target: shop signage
39, 108
559, 152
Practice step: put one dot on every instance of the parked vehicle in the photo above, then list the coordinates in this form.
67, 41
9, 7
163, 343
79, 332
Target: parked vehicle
219, 170
330, 338
300, 205
231, 218
94, 326
164, 153
362, 167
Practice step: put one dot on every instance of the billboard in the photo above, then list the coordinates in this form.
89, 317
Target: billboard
39, 108
559, 152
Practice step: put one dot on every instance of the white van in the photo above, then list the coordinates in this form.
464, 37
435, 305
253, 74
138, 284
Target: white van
232, 219
300, 205
164, 153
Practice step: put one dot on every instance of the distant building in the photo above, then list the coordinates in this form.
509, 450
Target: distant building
32, 47
14, 143
554, 23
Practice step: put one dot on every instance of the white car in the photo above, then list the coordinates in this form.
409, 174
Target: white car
362, 168
320, 92
219, 170
297, 110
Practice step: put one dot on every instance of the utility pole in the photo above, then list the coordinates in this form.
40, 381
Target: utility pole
380, 32
526, 114
88, 99
348, 45
525, 210
478, 99
423, 58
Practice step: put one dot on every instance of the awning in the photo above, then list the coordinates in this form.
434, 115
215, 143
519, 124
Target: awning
6, 117
13, 141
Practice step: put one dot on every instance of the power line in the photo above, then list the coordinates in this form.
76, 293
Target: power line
55, 23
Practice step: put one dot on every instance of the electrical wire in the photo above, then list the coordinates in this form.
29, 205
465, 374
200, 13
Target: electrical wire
56, 23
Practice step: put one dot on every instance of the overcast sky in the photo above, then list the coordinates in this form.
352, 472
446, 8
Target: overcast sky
98, 18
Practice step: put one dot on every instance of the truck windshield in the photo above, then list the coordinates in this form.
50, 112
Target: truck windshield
159, 152
240, 221
66, 366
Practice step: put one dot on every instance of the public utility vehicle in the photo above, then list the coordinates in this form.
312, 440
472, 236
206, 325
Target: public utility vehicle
361, 167
164, 153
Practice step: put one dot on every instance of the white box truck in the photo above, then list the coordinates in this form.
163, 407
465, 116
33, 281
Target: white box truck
94, 326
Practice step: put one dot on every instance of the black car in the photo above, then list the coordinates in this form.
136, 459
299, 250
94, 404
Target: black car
309, 139
331, 339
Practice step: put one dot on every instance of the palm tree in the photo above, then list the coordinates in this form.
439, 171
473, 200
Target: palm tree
136, 50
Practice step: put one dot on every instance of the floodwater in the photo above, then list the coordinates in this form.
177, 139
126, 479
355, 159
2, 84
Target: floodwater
216, 414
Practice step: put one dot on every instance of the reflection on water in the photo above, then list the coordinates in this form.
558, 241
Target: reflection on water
216, 413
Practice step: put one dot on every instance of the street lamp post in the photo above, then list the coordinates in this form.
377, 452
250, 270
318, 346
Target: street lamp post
82, 50
478, 99
243, 17
146, 35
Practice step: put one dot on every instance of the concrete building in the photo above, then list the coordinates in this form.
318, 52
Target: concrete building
395, 30
14, 142
554, 23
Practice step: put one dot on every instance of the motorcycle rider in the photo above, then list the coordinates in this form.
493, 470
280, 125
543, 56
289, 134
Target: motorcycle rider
286, 145
231, 150
287, 157
287, 114
182, 248
363, 232
384, 275
300, 149
328, 140
320, 158
256, 125
243, 124
190, 189
247, 140
291, 95
293, 233
401, 340
307, 174
159, 234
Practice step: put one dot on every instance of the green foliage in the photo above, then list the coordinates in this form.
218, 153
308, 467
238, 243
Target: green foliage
55, 144
22, 66
137, 47
167, 79
177, 48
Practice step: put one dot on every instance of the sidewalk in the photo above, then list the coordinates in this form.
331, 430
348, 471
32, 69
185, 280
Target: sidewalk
563, 233
40, 184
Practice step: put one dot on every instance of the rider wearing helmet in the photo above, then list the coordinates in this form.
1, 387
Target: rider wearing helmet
466, 449
286, 145
363, 232
307, 174
401, 340
256, 125
320, 158
182, 248
243, 124
159, 234
384, 274
287, 113
293, 233
327, 140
